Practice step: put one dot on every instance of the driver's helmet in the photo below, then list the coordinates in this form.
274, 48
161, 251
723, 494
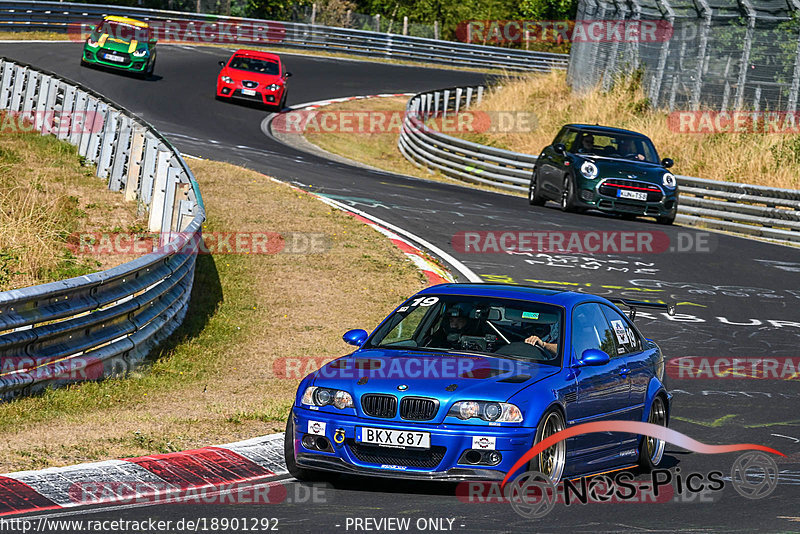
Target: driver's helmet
456, 310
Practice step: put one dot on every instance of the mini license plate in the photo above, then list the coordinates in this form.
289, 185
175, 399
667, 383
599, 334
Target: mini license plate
635, 195
115, 59
393, 438
248, 92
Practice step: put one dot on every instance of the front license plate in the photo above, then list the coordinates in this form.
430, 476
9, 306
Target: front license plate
248, 92
115, 59
393, 438
635, 195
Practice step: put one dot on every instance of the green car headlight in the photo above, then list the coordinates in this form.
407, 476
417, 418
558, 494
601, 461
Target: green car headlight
92, 43
589, 170
140, 52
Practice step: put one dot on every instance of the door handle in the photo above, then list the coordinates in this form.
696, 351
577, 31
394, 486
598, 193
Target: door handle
624, 371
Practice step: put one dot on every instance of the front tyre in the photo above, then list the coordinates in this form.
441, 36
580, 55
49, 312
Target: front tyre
550, 462
567, 195
667, 219
288, 453
651, 451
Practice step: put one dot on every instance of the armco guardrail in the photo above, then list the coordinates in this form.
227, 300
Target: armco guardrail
102, 323
740, 208
56, 16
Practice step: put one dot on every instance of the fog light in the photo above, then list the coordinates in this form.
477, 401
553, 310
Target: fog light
323, 444
493, 458
226, 90
270, 98
587, 194
308, 442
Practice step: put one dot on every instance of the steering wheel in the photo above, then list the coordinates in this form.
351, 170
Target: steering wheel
526, 350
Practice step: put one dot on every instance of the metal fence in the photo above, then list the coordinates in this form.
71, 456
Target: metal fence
57, 16
106, 322
739, 208
722, 54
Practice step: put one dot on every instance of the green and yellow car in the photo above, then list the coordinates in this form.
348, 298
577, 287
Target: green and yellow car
121, 43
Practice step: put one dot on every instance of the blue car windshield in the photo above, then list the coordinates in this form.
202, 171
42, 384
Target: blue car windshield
507, 328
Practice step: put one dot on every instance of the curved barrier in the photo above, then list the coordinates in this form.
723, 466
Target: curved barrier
102, 323
752, 210
57, 16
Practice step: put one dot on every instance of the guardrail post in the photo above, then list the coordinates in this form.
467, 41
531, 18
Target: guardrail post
31, 86
50, 109
173, 173
445, 102
469, 97
5, 84
41, 101
480, 94
159, 190
149, 164
96, 136
107, 144
134, 163
19, 85
121, 152
458, 99
436, 104
75, 126
90, 123
67, 112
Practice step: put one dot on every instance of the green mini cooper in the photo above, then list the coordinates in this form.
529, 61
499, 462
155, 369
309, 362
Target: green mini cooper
121, 43
608, 169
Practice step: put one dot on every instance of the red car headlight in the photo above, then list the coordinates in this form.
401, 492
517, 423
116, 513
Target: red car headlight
227, 79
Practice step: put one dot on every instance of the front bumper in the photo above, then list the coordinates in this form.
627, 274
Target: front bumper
96, 56
262, 95
449, 441
590, 196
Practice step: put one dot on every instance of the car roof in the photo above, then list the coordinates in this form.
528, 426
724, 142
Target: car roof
596, 128
546, 295
257, 54
127, 20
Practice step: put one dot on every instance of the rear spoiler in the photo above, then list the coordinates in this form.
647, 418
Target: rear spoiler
633, 305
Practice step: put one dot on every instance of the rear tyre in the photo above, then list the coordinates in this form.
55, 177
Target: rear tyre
550, 462
651, 450
535, 197
567, 195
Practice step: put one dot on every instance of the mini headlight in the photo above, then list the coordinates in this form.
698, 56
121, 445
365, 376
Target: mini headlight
227, 79
91, 42
589, 170
501, 412
140, 52
669, 180
273, 87
316, 396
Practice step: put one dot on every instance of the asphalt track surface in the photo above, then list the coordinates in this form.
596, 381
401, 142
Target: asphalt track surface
737, 281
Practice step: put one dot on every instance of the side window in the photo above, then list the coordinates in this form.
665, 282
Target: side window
590, 330
626, 337
560, 136
569, 140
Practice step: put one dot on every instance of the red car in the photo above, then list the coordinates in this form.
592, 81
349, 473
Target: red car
254, 76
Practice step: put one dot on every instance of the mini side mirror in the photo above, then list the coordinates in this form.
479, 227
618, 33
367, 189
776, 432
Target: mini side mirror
593, 358
355, 337
667, 163
560, 148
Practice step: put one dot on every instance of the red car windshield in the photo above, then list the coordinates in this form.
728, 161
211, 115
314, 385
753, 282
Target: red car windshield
124, 32
261, 66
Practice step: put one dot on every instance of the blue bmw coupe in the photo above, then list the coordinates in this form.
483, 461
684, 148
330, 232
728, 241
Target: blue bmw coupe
462, 379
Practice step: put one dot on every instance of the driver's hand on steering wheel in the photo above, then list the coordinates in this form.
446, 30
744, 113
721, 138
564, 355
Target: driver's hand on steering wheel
536, 341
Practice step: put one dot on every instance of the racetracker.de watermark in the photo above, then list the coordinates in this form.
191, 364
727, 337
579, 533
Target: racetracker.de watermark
731, 368
186, 31
564, 31
581, 242
123, 243
51, 122
734, 122
313, 121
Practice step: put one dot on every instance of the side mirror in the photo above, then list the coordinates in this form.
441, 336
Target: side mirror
560, 148
221, 63
152, 41
287, 74
667, 163
593, 358
355, 337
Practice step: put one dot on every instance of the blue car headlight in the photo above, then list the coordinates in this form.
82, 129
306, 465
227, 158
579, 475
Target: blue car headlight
589, 170
499, 412
140, 52
669, 180
316, 396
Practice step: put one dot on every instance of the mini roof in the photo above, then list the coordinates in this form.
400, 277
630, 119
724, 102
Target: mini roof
594, 128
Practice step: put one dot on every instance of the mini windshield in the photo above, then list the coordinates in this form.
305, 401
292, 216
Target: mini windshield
631, 147
122, 31
500, 327
261, 66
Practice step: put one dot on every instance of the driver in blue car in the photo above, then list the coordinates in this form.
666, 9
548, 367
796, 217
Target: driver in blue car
546, 336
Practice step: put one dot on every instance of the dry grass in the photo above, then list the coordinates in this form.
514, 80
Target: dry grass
377, 149
46, 195
766, 159
214, 382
